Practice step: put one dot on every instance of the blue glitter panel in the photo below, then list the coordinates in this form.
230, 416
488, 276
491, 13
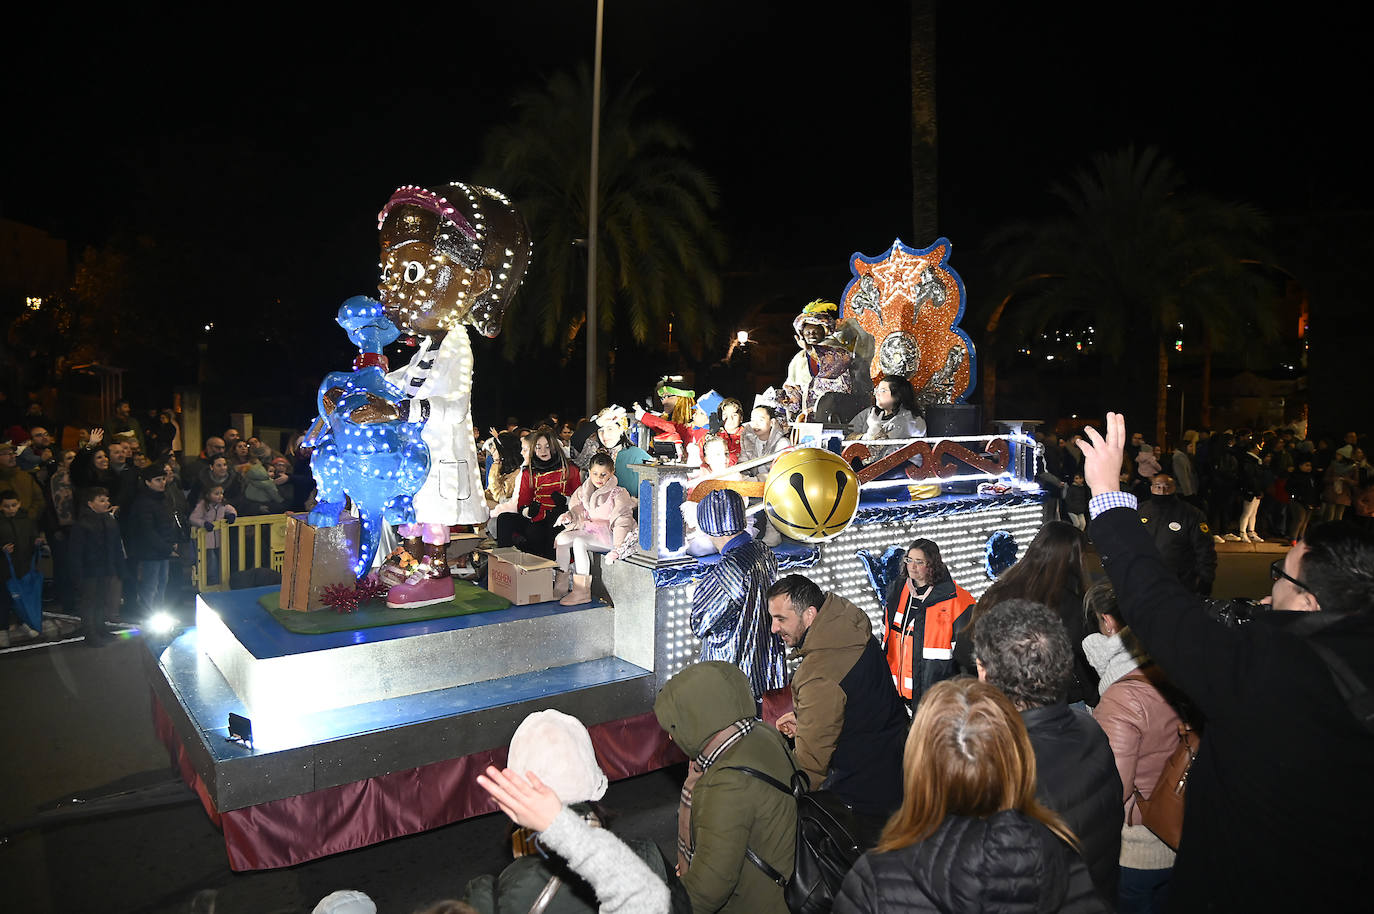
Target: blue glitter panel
672, 512
646, 514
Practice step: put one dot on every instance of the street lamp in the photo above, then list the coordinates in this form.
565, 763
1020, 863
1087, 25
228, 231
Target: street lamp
591, 217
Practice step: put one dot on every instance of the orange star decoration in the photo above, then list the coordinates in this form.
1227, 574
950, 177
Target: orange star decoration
911, 301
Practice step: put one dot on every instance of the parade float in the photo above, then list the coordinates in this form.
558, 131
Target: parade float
303, 742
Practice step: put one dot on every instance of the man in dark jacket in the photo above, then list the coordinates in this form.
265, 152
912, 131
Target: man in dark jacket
154, 532
1181, 534
849, 723
708, 710
1278, 803
1021, 647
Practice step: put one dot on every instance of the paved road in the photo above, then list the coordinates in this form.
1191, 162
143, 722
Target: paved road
77, 722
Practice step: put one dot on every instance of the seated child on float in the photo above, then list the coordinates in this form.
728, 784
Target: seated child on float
600, 518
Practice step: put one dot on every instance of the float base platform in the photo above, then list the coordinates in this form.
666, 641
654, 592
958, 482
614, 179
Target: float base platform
318, 782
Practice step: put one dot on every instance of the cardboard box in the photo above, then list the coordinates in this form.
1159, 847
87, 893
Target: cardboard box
520, 577
316, 557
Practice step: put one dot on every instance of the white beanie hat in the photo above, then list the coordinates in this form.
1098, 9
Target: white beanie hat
558, 749
346, 901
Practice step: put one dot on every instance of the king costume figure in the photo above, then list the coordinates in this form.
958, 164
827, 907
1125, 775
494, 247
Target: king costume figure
729, 606
451, 258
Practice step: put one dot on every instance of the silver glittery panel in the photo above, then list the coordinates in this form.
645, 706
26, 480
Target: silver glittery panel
374, 671
195, 697
962, 538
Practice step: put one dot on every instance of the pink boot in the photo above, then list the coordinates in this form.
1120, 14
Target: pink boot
428, 584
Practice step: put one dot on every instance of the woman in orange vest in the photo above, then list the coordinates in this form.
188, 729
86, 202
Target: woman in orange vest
919, 621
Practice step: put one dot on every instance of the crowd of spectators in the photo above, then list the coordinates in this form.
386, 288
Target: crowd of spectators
1251, 485
116, 510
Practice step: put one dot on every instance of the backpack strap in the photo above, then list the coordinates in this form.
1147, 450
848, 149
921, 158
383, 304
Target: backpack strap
766, 778
764, 866
545, 896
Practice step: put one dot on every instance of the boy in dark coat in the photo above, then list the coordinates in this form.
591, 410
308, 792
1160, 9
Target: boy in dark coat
98, 551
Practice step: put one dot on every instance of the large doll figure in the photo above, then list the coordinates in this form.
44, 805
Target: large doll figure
451, 258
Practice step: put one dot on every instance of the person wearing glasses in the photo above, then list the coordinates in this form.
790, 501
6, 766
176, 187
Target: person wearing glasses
1280, 790
923, 608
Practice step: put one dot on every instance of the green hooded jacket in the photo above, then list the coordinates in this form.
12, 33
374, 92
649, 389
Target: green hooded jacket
731, 811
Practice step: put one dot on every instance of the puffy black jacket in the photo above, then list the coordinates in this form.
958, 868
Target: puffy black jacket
1007, 862
1076, 776
154, 529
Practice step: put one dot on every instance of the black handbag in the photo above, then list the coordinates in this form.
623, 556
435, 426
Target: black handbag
826, 849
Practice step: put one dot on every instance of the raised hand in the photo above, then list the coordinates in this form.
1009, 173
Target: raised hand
1102, 456
527, 802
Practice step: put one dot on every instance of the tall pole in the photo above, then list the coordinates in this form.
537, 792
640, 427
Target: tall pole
591, 217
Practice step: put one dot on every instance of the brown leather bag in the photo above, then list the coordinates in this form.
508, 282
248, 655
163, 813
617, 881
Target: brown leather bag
1162, 813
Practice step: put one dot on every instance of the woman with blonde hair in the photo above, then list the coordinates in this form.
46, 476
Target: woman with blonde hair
970, 834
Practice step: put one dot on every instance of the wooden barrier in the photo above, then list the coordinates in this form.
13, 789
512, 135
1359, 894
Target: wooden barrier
249, 542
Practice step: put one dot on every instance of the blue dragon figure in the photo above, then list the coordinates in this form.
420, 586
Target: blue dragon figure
378, 466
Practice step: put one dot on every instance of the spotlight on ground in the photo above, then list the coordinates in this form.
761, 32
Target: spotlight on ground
160, 623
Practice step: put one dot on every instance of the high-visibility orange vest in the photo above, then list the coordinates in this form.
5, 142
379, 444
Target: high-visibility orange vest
937, 637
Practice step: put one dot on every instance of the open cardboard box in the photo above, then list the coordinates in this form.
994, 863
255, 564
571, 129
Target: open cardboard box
520, 577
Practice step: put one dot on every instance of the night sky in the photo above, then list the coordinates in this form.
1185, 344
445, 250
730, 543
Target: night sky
270, 140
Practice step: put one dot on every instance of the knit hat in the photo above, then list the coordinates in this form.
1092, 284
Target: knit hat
558, 749
346, 901
721, 513
709, 402
152, 471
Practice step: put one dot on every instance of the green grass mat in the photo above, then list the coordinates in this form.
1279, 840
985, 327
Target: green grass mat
468, 599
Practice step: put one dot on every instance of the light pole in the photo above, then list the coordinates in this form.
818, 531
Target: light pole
591, 217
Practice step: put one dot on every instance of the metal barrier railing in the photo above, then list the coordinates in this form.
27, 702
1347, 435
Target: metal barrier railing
249, 542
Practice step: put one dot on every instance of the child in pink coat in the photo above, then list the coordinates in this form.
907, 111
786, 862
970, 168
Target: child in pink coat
600, 518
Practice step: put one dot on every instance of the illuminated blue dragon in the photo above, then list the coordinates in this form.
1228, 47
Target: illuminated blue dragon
378, 466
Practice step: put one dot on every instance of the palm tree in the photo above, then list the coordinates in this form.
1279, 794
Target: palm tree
924, 125
1136, 257
659, 252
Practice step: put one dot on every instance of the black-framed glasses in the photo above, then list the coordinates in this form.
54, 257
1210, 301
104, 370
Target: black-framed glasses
1276, 571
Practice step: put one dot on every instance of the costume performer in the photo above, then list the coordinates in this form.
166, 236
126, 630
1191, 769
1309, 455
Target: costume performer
729, 607
677, 429
450, 258
832, 358
600, 518
544, 486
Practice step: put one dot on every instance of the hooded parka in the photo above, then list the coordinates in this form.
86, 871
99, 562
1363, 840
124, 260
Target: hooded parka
731, 811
